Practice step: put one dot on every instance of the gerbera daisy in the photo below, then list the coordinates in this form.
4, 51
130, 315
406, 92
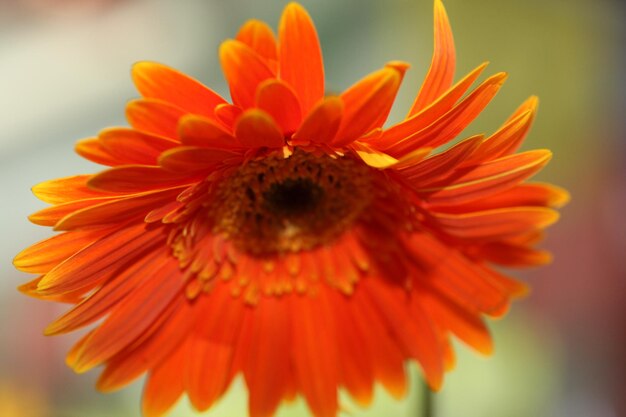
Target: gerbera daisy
287, 236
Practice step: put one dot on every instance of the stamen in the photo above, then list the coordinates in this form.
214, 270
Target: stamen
283, 204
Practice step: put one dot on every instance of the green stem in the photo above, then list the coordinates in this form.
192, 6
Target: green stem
428, 401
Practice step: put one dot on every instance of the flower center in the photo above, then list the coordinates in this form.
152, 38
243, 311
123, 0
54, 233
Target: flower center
293, 197
287, 204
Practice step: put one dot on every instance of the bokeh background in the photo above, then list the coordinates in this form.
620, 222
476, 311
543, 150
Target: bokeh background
64, 75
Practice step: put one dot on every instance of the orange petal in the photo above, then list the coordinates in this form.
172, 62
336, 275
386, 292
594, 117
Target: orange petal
107, 297
129, 146
322, 123
93, 150
466, 325
30, 289
300, 56
388, 359
444, 162
452, 123
256, 129
164, 385
200, 131
210, 352
244, 70
63, 190
373, 158
513, 287
142, 308
130, 364
160, 82
495, 224
117, 210
164, 212
137, 178
45, 255
154, 116
367, 103
208, 367
315, 354
531, 194
278, 99
486, 179
51, 215
190, 159
509, 137
355, 357
99, 260
414, 332
441, 72
429, 114
260, 37
267, 371
446, 270
513, 256
228, 114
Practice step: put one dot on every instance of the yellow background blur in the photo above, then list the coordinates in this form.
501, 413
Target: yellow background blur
64, 75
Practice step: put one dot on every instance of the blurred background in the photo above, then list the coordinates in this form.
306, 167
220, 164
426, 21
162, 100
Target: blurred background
64, 75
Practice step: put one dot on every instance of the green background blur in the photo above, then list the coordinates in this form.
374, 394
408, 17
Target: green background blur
64, 75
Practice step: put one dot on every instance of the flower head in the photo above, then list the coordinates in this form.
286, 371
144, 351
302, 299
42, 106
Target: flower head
287, 236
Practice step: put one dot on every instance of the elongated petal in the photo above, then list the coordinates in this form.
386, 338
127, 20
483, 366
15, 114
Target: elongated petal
160, 82
106, 298
373, 158
98, 260
256, 129
191, 159
210, 353
509, 137
51, 215
277, 99
367, 103
448, 271
93, 150
495, 224
322, 123
266, 371
444, 162
154, 116
452, 123
415, 335
315, 355
355, 355
244, 70
466, 325
429, 114
441, 72
164, 386
137, 178
512, 255
260, 37
228, 114
130, 146
142, 308
388, 359
300, 56
487, 179
63, 190
528, 194
129, 364
200, 131
117, 210
45, 255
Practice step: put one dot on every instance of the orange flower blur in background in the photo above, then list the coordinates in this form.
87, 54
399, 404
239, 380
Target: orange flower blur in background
288, 236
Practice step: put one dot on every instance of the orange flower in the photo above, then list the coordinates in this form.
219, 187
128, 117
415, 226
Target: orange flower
288, 236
